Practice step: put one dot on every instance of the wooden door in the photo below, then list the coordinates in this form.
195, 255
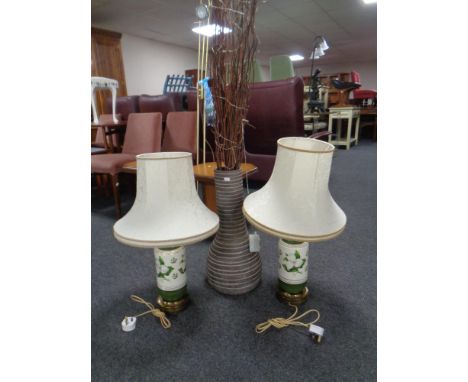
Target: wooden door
106, 56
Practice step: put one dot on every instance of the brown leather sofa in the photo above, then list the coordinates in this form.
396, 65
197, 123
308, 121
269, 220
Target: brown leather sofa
275, 111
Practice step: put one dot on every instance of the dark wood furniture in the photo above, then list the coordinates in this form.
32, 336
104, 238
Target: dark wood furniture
194, 73
369, 119
106, 61
110, 130
326, 80
94, 130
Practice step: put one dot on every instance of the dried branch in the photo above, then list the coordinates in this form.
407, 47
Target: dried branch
231, 59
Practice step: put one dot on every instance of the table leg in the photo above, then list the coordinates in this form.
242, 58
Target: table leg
348, 132
339, 131
94, 131
102, 131
330, 128
108, 136
357, 129
374, 133
209, 196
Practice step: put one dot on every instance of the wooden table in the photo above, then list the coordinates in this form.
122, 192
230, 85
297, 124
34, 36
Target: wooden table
350, 113
109, 130
204, 173
130, 167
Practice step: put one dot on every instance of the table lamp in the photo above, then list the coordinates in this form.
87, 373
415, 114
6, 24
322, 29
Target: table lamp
167, 215
296, 206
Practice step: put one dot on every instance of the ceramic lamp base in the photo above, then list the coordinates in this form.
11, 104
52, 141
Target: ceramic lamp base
171, 278
293, 298
293, 264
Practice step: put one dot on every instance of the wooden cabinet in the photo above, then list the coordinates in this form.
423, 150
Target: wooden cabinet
106, 61
194, 73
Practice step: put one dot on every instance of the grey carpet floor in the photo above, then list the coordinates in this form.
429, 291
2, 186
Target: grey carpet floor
214, 339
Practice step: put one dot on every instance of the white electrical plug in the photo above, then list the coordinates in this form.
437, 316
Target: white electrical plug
254, 242
316, 332
129, 324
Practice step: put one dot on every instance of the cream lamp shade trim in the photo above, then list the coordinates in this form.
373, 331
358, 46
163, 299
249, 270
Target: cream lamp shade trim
295, 203
167, 210
287, 236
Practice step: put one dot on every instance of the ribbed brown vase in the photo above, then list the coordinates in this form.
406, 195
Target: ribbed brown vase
232, 268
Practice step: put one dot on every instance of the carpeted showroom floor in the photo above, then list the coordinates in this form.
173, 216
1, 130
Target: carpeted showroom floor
214, 339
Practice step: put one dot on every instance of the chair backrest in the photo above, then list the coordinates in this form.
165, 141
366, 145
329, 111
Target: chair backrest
177, 83
275, 111
123, 105
191, 99
281, 68
144, 133
180, 133
178, 100
157, 104
104, 119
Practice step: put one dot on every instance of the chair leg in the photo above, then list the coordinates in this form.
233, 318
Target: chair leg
98, 184
105, 184
115, 191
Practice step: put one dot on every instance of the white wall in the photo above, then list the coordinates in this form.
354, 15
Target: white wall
148, 62
367, 71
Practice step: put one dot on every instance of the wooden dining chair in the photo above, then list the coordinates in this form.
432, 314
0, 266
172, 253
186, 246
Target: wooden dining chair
101, 144
143, 135
181, 132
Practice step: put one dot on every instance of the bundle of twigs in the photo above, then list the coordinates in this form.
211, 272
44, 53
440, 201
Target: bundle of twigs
231, 59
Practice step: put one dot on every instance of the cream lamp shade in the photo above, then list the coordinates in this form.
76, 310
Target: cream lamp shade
296, 204
167, 210
167, 215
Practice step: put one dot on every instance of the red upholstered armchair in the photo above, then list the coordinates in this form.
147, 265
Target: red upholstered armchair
362, 94
275, 111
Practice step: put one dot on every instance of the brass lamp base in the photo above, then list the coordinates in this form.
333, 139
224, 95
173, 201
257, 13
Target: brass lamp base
173, 306
293, 298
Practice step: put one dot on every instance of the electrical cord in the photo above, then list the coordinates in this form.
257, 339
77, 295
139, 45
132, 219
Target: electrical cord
165, 323
293, 320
